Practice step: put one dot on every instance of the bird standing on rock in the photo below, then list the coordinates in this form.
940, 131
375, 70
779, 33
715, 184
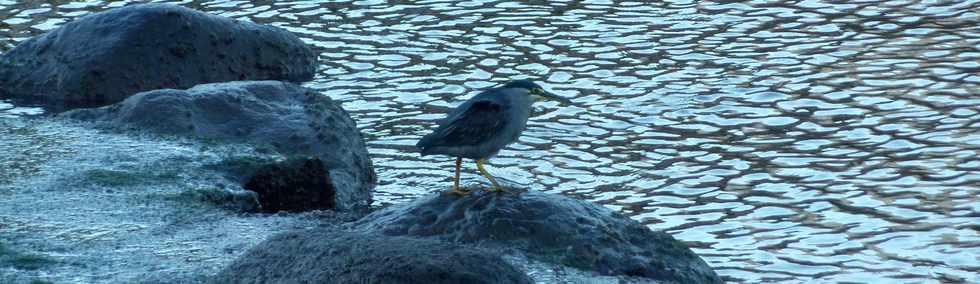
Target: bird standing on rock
484, 124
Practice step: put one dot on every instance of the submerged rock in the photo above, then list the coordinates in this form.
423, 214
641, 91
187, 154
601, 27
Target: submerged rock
17, 260
550, 228
297, 185
105, 57
288, 118
233, 200
328, 256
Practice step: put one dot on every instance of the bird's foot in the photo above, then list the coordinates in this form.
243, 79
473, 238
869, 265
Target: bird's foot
459, 192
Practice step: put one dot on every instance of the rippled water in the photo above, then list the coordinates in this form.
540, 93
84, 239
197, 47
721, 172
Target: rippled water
794, 142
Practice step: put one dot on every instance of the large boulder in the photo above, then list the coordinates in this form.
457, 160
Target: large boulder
327, 256
105, 57
291, 119
549, 228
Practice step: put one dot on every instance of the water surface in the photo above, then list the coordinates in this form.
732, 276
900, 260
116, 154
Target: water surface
801, 141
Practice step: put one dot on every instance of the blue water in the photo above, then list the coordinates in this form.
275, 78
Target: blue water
794, 142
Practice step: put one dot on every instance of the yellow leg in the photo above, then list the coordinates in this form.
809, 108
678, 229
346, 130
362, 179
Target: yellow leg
456, 190
496, 187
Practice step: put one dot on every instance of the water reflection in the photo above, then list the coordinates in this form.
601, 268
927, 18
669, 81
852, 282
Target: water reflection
793, 141
9, 110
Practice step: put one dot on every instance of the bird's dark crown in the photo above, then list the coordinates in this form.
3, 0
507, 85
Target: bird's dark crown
522, 84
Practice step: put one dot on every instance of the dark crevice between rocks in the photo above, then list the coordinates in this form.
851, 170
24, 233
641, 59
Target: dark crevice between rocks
294, 185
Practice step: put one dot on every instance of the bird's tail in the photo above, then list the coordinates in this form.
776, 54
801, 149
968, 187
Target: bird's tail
424, 145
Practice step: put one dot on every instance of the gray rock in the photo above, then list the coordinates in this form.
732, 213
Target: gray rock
328, 256
105, 57
289, 118
547, 227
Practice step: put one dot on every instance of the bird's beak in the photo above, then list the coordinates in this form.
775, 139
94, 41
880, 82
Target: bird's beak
545, 95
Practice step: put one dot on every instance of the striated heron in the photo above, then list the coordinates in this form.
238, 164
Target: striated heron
484, 124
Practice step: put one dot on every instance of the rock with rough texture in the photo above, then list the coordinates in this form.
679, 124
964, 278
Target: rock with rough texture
547, 227
327, 256
291, 119
105, 57
293, 186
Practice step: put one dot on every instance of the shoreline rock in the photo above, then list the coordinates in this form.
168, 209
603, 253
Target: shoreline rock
290, 119
549, 228
105, 57
325, 255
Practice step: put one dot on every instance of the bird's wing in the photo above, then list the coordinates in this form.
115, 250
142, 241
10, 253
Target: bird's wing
479, 122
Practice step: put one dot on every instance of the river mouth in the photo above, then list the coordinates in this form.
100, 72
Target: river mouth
803, 142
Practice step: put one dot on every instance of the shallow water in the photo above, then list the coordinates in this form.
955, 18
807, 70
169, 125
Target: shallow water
89, 206
795, 142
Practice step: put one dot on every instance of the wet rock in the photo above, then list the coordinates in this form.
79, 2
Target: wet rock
233, 200
294, 186
105, 57
328, 256
550, 228
281, 116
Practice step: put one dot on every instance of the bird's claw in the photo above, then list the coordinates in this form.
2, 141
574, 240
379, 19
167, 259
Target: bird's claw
459, 192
